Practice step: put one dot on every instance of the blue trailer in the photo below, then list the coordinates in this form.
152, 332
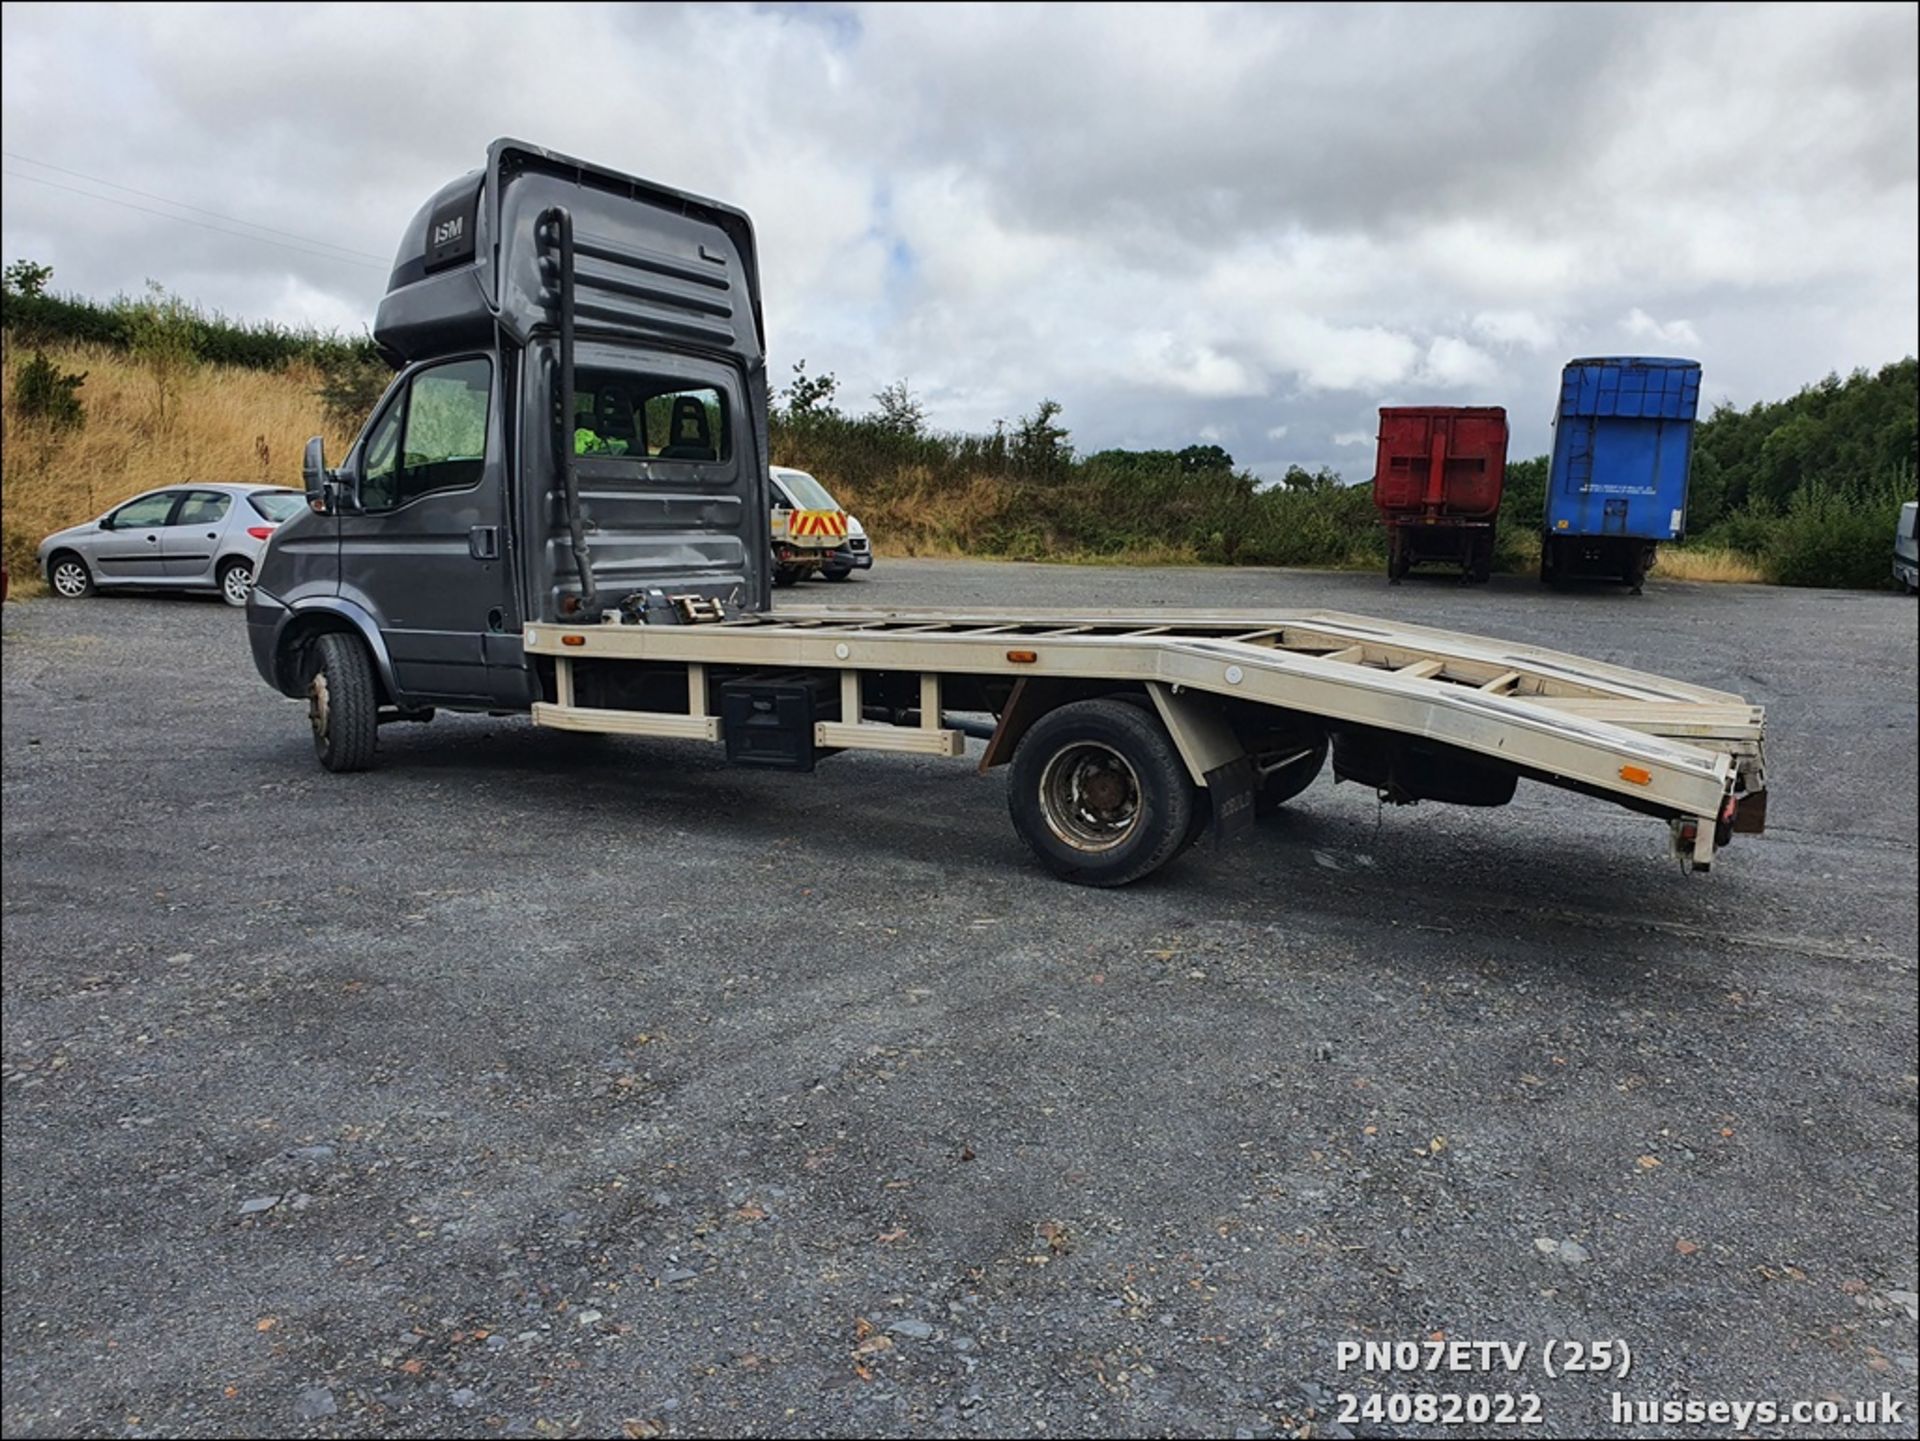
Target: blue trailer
1622, 443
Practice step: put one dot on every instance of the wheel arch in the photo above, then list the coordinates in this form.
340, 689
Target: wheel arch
308, 623
53, 557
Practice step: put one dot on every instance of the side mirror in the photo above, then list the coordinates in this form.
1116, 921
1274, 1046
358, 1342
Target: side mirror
313, 473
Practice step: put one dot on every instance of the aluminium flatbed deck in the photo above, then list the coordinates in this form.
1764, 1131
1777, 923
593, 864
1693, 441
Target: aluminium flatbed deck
1655, 744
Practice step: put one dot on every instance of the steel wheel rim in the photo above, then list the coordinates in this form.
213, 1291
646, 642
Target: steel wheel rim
70, 579
318, 707
238, 582
1090, 796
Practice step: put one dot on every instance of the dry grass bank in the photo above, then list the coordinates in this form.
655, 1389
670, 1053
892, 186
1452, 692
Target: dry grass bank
229, 424
1709, 563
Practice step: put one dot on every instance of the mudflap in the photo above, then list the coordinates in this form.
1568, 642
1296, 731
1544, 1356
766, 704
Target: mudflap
1231, 789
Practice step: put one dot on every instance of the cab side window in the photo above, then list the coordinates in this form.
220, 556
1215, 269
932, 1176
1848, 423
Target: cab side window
380, 477
432, 437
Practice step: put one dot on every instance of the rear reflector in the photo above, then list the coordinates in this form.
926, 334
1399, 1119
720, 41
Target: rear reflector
259, 532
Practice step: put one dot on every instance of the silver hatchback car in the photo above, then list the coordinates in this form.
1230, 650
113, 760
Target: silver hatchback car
185, 537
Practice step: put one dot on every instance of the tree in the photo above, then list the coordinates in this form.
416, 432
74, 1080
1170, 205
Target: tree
1039, 446
26, 278
810, 395
43, 391
163, 328
1300, 478
1196, 459
901, 412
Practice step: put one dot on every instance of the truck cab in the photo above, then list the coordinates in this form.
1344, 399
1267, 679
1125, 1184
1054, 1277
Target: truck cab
535, 288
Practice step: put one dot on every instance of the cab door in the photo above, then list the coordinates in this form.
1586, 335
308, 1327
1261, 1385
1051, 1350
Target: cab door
420, 538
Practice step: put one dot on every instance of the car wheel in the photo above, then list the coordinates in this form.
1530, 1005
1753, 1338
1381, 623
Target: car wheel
236, 582
836, 574
785, 575
1099, 792
343, 705
69, 576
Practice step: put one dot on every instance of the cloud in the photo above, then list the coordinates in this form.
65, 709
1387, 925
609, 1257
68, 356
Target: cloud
1354, 437
1642, 326
1515, 327
1175, 221
1454, 364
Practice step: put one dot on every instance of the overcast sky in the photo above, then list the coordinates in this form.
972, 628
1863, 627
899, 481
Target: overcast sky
1246, 225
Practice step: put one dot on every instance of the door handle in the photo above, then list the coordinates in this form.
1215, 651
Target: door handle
153, 540
483, 542
213, 535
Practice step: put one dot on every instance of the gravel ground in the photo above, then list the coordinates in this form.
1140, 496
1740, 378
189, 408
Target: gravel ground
538, 1085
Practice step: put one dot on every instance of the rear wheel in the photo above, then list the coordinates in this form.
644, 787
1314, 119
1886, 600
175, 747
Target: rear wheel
343, 704
784, 575
836, 574
69, 577
1399, 562
1099, 793
236, 582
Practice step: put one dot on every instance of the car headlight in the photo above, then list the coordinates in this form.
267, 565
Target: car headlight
854, 527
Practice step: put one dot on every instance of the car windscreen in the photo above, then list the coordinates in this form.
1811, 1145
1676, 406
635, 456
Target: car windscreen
277, 505
810, 493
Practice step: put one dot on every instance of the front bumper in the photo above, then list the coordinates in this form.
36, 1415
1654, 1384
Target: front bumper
855, 555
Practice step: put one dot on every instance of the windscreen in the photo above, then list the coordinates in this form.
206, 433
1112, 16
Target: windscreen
810, 493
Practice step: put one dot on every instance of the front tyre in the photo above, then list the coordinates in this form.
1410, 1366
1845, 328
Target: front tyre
343, 704
1099, 793
69, 577
236, 583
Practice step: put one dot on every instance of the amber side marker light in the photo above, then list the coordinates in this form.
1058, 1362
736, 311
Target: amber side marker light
1023, 657
1638, 775
573, 640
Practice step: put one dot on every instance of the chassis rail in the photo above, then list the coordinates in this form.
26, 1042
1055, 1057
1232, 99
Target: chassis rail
1656, 745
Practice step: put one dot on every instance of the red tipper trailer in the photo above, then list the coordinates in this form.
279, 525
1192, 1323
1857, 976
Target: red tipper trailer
1436, 483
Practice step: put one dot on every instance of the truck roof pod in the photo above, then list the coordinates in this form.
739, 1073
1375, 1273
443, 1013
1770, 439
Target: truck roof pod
654, 262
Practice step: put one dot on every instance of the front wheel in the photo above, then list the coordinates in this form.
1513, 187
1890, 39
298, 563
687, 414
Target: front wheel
343, 704
70, 578
236, 582
1099, 793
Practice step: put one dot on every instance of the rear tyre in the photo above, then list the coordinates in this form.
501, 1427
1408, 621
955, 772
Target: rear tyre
1099, 793
69, 576
1284, 782
343, 704
836, 575
236, 582
785, 575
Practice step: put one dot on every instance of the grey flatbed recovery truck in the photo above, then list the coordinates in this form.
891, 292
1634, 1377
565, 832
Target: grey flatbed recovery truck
560, 508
